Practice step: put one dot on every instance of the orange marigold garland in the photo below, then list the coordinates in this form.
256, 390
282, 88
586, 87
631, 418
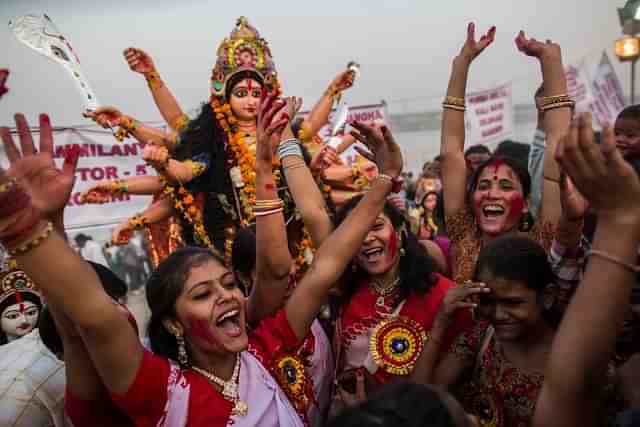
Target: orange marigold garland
184, 202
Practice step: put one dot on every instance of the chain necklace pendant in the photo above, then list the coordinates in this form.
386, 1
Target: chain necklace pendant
380, 302
240, 408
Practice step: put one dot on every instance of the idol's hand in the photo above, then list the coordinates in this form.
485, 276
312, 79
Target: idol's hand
107, 117
139, 61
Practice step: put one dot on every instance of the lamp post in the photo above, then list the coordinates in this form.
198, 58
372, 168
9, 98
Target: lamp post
627, 48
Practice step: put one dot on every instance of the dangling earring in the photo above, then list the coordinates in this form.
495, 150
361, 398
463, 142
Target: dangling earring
526, 222
402, 252
182, 350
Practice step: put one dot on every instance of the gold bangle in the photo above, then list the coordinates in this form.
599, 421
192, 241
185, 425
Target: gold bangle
126, 127
153, 80
268, 204
453, 100
454, 107
563, 104
607, 257
8, 185
332, 91
385, 177
197, 168
554, 99
181, 123
119, 186
34, 242
138, 222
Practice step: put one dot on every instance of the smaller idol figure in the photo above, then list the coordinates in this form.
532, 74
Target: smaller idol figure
20, 305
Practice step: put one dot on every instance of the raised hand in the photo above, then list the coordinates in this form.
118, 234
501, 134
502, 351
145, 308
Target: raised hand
458, 298
4, 75
48, 186
537, 49
107, 117
574, 205
343, 81
604, 178
272, 119
473, 48
139, 61
383, 150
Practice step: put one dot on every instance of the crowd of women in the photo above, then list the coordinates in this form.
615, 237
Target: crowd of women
290, 290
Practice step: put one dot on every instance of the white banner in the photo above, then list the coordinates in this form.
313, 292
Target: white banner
579, 87
101, 158
608, 95
489, 116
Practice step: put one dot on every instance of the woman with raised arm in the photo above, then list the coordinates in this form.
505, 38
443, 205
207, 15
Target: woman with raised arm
199, 372
495, 202
579, 358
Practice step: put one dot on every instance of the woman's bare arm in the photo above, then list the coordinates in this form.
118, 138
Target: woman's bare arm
454, 168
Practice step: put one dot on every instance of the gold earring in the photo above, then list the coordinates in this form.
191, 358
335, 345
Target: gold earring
183, 359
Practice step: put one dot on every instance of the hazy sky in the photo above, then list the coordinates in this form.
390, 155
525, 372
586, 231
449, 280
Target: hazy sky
405, 47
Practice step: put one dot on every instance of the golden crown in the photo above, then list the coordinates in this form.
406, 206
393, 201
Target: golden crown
16, 281
243, 51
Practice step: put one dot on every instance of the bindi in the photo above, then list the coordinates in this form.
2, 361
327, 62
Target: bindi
250, 85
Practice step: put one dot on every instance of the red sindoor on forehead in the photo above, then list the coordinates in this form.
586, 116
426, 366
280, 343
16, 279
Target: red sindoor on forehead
23, 308
250, 84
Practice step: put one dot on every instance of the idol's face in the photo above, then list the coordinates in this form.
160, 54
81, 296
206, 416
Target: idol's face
245, 99
19, 319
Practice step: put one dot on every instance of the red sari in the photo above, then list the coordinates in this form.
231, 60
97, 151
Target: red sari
387, 339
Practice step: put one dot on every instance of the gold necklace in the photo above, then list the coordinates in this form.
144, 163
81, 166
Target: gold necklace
383, 291
229, 388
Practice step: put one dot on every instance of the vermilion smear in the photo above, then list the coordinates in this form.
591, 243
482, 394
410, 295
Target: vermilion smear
200, 329
393, 246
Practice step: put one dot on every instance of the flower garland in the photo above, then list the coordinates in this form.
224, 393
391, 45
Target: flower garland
184, 202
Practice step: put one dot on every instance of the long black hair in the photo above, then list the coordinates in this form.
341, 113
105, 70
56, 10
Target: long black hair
163, 289
417, 268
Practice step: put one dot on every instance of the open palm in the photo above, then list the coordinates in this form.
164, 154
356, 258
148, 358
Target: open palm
48, 186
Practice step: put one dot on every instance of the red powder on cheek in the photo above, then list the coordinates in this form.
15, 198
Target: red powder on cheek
393, 246
200, 329
516, 206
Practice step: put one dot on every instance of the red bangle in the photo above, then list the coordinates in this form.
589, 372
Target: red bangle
22, 228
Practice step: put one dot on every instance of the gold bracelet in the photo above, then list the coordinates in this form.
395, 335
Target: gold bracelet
268, 204
34, 242
554, 99
454, 107
569, 104
332, 91
8, 185
153, 80
197, 168
127, 125
603, 255
267, 212
453, 100
119, 186
385, 177
138, 222
181, 123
